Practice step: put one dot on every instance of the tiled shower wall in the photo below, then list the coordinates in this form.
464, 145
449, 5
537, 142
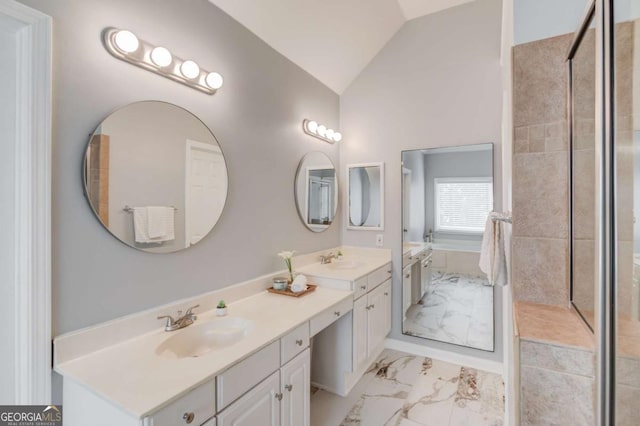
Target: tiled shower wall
540, 172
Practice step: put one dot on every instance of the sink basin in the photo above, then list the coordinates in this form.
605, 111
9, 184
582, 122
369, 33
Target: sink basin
345, 264
197, 340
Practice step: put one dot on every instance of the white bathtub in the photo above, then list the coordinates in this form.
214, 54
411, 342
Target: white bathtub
457, 245
457, 256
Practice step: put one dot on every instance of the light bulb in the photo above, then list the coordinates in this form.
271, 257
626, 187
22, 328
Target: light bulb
337, 136
126, 41
329, 133
161, 57
214, 80
312, 126
190, 69
322, 130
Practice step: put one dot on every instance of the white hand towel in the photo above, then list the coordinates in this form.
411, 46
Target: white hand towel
299, 284
493, 261
156, 221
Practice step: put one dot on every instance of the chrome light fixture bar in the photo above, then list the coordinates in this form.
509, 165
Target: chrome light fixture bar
312, 128
124, 45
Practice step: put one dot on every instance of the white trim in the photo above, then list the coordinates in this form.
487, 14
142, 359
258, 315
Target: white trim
451, 357
347, 204
32, 253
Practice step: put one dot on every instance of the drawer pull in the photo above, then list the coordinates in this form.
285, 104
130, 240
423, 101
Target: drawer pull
299, 342
279, 396
363, 287
288, 387
386, 293
408, 276
389, 271
336, 313
372, 306
188, 417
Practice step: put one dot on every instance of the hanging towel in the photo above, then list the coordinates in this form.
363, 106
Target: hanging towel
154, 224
493, 261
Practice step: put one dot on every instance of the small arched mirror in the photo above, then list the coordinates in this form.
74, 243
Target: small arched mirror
155, 176
316, 191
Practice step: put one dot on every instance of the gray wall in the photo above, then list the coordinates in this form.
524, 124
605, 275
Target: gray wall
256, 117
436, 83
453, 164
538, 19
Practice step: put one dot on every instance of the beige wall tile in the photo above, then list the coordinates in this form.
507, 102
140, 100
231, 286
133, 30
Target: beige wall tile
540, 270
540, 195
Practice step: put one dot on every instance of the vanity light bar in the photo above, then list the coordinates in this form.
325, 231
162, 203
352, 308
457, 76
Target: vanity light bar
320, 131
125, 46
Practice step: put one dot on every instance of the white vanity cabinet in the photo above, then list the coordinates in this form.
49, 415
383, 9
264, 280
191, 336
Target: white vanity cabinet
260, 406
360, 335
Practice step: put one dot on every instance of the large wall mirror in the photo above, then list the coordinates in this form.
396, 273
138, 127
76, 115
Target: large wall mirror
316, 191
155, 177
582, 89
447, 194
365, 207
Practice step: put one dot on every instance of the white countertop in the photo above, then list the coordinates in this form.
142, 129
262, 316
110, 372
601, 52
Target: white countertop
413, 248
363, 266
131, 376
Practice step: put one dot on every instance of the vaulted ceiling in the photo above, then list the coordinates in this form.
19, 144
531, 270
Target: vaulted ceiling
333, 40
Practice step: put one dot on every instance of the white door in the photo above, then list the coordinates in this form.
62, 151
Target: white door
206, 189
25, 206
359, 332
260, 406
379, 317
295, 379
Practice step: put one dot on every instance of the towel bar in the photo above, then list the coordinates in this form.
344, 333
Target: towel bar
131, 209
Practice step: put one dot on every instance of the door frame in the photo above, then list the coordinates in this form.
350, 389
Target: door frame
32, 206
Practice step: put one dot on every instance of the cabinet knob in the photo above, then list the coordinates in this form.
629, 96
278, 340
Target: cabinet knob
408, 276
188, 417
367, 307
389, 271
386, 293
372, 306
279, 396
336, 313
363, 287
299, 342
288, 387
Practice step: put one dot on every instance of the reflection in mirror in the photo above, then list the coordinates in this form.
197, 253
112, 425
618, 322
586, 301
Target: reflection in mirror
583, 178
447, 194
366, 196
627, 174
155, 177
316, 191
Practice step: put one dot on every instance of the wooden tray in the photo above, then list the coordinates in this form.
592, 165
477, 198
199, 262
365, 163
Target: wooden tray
287, 292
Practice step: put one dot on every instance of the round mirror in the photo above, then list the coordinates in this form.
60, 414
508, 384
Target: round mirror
316, 191
155, 177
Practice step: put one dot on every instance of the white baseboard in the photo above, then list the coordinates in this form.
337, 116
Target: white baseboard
453, 358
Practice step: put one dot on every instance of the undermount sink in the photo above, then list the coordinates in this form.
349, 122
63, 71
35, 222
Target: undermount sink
345, 264
198, 340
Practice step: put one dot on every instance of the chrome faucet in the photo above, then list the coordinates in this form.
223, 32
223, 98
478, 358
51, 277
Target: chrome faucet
327, 258
182, 321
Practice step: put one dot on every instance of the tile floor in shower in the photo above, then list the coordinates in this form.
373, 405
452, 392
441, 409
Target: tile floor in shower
407, 390
455, 308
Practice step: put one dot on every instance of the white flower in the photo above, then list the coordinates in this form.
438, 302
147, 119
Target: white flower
286, 254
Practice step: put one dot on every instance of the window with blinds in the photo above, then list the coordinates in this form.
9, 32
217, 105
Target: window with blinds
462, 204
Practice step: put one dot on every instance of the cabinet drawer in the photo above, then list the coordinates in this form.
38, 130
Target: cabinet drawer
379, 276
326, 318
197, 406
294, 343
360, 287
238, 379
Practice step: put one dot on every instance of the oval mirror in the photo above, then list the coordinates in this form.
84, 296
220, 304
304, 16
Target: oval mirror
316, 191
155, 176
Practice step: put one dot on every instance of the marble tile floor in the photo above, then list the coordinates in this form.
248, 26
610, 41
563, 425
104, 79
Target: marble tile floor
400, 389
455, 308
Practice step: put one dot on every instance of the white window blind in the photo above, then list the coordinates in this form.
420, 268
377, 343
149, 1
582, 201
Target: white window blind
462, 204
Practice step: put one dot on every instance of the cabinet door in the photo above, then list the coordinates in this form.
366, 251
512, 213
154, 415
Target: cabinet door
406, 290
260, 406
295, 379
379, 316
359, 332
